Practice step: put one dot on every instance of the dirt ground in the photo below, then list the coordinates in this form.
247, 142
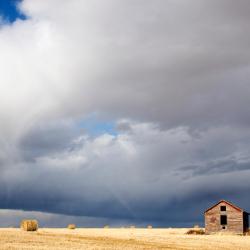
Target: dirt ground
117, 239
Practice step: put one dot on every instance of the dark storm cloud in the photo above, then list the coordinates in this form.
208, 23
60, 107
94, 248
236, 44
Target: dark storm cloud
42, 140
133, 176
173, 76
222, 166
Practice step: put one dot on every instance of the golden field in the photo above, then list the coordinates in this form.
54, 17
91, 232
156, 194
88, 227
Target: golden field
123, 238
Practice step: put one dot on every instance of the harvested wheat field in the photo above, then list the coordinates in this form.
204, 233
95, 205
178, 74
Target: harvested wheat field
130, 238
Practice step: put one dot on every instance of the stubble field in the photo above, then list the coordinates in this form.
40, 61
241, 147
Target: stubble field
132, 238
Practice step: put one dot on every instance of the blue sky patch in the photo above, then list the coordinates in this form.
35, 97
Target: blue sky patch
96, 127
9, 11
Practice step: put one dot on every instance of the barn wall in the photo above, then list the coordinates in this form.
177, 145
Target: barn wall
234, 219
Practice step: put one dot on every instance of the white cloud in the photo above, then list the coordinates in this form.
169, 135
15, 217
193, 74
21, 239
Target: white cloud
166, 63
180, 70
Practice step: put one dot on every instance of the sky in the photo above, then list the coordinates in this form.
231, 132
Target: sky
9, 12
123, 112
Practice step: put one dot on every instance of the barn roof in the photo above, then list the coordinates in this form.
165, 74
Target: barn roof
229, 203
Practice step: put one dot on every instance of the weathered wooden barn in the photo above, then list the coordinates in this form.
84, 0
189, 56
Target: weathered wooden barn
226, 217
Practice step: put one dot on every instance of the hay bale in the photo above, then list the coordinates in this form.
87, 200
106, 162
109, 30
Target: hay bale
149, 226
198, 231
29, 225
106, 226
71, 226
196, 226
132, 226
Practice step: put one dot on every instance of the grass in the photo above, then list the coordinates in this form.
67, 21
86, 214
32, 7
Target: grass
118, 239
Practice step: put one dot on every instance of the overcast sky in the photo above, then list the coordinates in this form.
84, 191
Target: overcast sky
123, 111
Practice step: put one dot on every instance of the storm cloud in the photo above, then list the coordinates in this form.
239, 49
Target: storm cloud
125, 110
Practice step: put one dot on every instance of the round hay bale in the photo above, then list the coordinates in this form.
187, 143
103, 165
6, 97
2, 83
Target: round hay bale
71, 226
106, 226
196, 226
149, 226
29, 225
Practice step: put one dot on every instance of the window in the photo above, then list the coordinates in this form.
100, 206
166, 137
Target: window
223, 220
223, 208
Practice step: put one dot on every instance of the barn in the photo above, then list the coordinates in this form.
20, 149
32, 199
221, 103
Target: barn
226, 217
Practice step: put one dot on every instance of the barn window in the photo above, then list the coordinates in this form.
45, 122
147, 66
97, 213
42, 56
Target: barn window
223, 220
223, 208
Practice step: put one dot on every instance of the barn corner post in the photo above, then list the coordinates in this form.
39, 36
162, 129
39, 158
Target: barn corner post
225, 217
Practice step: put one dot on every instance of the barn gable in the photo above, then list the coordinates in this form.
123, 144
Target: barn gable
228, 203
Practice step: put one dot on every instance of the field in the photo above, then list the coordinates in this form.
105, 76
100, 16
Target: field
117, 239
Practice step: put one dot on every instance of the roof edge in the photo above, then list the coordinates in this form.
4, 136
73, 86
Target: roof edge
229, 203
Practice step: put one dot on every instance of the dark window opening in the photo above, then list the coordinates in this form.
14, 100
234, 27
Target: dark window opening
223, 208
223, 220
